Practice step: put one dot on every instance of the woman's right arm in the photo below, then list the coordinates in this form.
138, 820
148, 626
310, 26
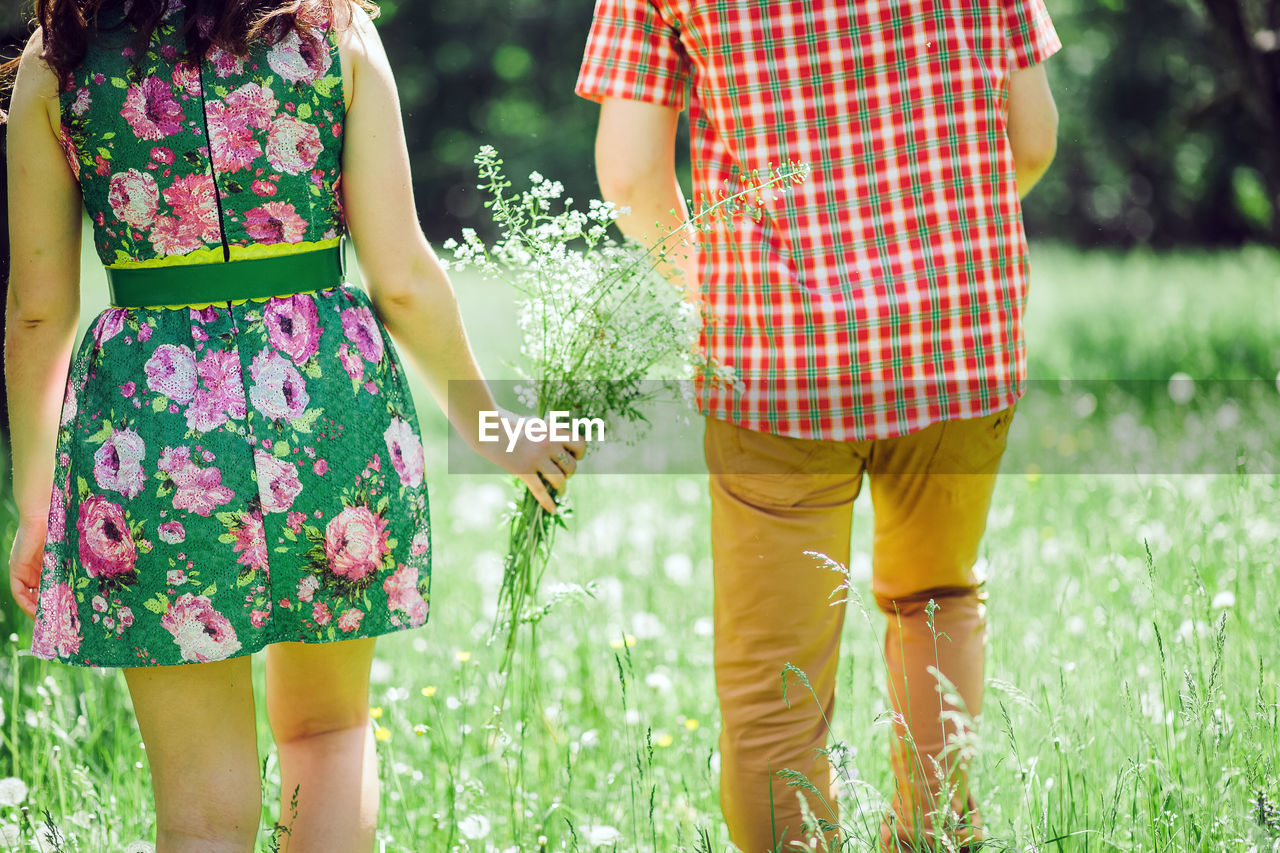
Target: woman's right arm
407, 284
43, 305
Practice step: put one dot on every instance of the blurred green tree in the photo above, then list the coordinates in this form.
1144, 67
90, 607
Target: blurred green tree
1157, 144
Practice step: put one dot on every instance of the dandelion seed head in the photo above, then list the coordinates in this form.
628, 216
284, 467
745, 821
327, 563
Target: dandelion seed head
1181, 388
140, 847
13, 791
600, 835
474, 827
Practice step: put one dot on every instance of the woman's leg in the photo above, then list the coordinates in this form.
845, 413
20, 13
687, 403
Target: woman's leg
198, 726
318, 704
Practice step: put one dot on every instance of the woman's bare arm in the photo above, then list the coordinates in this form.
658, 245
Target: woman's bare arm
43, 304
407, 284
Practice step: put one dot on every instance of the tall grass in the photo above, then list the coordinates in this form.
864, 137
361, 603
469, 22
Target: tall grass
1133, 697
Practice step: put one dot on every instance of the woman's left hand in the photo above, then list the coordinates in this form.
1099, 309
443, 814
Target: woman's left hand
25, 561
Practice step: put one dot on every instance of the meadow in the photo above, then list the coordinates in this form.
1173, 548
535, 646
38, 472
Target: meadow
1133, 693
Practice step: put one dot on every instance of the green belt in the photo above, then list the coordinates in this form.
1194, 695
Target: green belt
196, 284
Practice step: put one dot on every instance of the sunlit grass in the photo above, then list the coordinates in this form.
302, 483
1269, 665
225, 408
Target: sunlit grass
1133, 697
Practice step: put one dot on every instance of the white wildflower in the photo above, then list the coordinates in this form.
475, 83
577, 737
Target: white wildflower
599, 835
474, 826
13, 791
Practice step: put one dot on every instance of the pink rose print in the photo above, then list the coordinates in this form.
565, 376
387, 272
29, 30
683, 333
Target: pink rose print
175, 577
321, 467
70, 153
320, 613
106, 544
278, 482
403, 595
350, 620
171, 371
421, 543
362, 330
207, 314
117, 464
355, 541
293, 326
257, 618
162, 155
133, 198
198, 490
300, 57
275, 222
293, 146
307, 588
250, 542
69, 407
57, 528
194, 202
351, 363
57, 631
172, 533
278, 391
201, 632
126, 617
263, 188
82, 102
171, 236
405, 449
221, 393
231, 142
186, 78
110, 324
256, 104
224, 64
151, 110
144, 333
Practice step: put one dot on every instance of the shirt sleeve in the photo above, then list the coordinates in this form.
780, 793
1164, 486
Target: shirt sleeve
1032, 38
634, 54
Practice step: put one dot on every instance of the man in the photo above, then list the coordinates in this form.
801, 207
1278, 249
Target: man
873, 314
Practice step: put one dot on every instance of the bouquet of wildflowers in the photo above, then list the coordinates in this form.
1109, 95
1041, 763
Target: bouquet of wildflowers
600, 325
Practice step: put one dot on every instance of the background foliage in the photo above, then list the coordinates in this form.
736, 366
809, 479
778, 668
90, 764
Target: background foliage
1158, 143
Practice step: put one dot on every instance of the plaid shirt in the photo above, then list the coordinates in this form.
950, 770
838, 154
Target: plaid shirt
886, 292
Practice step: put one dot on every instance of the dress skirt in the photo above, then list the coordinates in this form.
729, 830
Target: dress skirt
232, 476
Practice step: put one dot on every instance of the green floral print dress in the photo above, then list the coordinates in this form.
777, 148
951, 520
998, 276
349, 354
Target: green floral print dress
240, 473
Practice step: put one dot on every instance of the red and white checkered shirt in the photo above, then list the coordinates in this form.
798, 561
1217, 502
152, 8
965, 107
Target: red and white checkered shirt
886, 292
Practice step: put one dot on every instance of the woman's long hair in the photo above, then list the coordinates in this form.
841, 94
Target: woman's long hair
68, 26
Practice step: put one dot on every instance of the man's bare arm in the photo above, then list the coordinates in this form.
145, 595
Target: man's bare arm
635, 163
1032, 127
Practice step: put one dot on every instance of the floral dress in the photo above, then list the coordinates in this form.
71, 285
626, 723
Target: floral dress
234, 474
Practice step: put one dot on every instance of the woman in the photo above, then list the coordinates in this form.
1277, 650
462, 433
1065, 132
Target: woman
235, 463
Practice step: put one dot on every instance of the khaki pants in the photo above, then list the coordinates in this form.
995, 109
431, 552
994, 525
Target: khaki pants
772, 499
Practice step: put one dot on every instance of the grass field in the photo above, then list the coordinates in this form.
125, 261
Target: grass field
1133, 699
